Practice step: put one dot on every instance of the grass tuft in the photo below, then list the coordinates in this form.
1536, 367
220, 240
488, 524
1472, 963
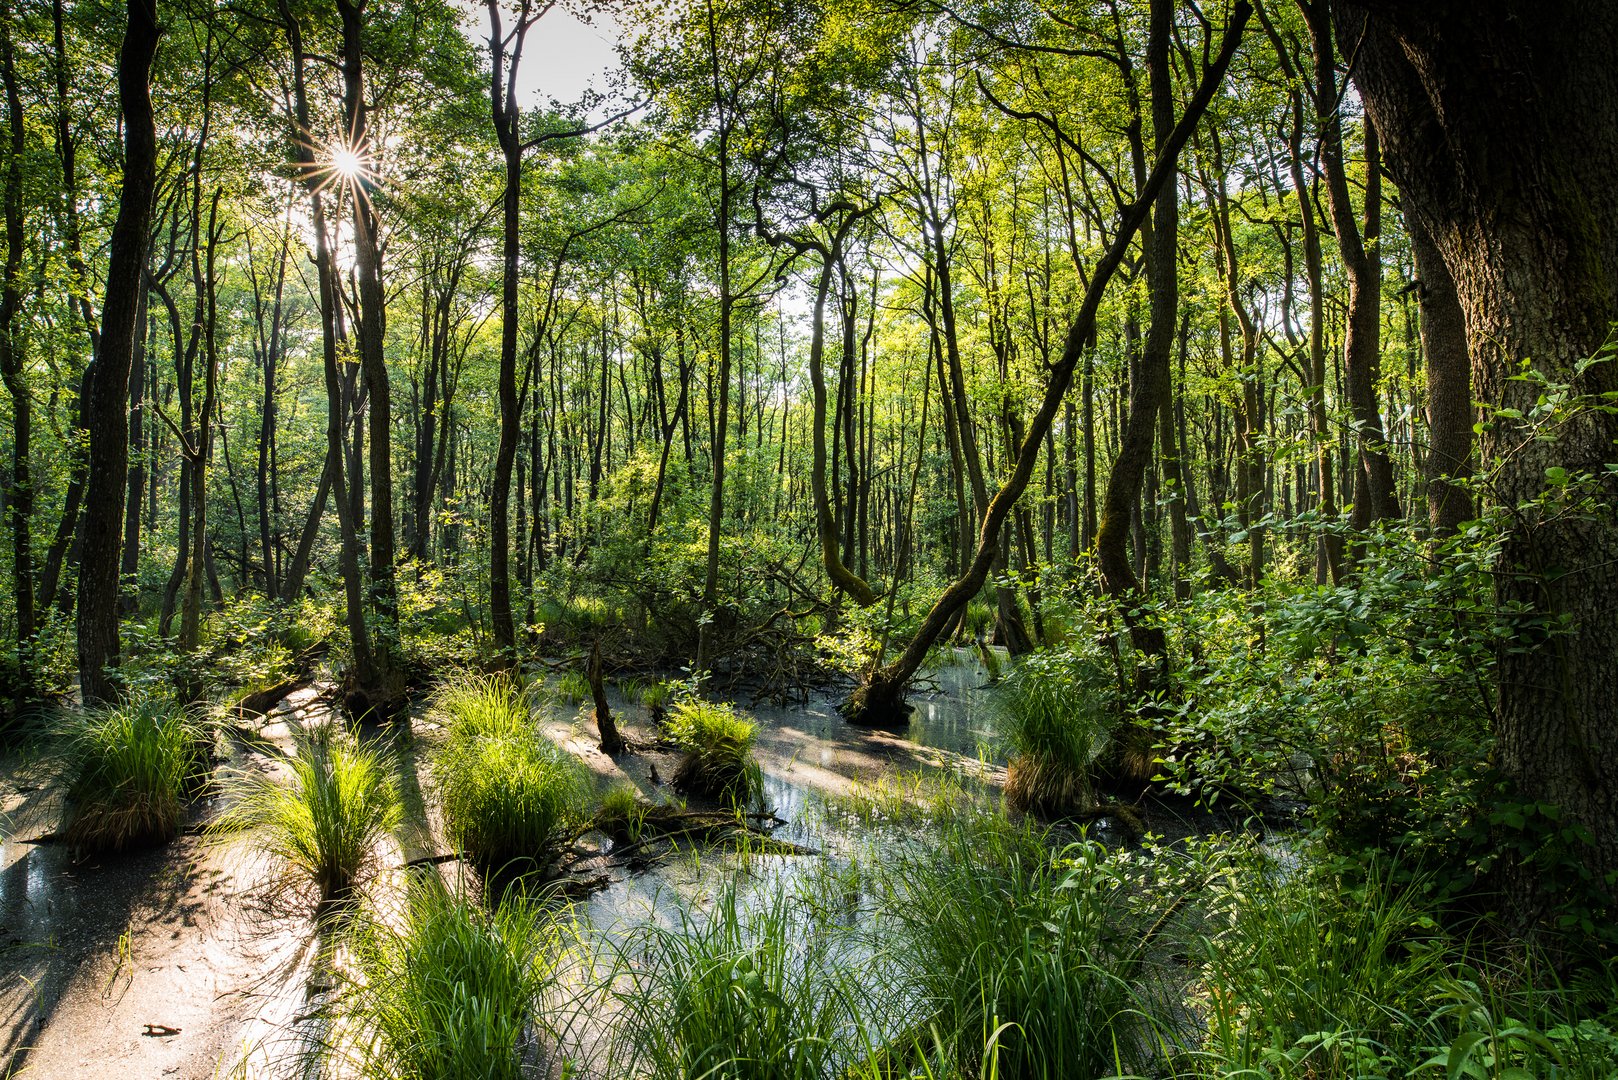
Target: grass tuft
1020, 959
454, 991
746, 991
622, 814
508, 794
1056, 728
572, 687
129, 769
718, 744
326, 822
469, 706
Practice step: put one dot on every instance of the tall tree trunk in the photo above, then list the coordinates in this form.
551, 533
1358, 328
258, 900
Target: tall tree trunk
1501, 124
1151, 388
507, 120
20, 497
1449, 385
716, 495
1359, 242
104, 413
385, 685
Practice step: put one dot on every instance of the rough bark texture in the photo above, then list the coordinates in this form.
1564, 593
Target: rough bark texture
1500, 121
1449, 385
104, 413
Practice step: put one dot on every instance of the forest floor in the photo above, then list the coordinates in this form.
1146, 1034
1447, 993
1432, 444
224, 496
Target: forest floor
184, 961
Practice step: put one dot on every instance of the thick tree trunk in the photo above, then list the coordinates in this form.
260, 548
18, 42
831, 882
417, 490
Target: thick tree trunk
1449, 385
104, 413
1501, 126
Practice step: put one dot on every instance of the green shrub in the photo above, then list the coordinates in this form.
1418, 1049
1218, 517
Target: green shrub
326, 821
1015, 958
718, 744
744, 991
454, 992
128, 769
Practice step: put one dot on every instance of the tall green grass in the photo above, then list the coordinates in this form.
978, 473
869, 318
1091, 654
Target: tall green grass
747, 990
326, 822
128, 769
1317, 975
508, 794
718, 743
1017, 960
469, 706
451, 991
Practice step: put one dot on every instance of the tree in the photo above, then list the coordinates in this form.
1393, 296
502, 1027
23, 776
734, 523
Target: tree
105, 412
879, 698
1500, 124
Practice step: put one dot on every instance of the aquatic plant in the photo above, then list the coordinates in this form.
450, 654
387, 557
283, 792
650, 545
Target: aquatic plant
572, 687
128, 769
622, 814
1012, 950
746, 990
1056, 727
453, 991
326, 821
718, 743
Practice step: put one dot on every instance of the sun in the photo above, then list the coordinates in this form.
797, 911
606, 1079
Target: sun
341, 164
347, 164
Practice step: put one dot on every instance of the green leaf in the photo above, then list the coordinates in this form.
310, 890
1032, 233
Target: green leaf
1460, 1050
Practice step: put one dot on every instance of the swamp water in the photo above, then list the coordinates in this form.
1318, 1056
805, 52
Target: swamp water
175, 962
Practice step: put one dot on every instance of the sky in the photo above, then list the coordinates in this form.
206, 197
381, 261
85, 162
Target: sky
563, 56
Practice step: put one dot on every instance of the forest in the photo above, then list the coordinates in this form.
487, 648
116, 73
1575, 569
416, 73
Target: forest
928, 539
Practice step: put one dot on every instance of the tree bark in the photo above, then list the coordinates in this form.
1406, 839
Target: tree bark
507, 120
1449, 385
1150, 389
20, 497
1501, 126
1375, 498
105, 414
